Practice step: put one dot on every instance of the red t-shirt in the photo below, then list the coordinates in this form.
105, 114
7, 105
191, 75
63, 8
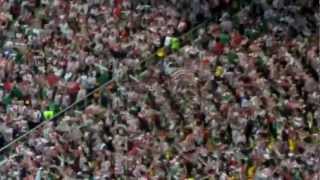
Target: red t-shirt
7, 86
117, 11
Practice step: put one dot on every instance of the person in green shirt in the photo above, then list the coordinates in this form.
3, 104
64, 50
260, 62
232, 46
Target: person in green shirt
175, 44
48, 115
16, 92
224, 38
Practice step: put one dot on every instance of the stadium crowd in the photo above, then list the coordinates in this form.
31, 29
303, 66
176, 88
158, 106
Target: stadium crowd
238, 98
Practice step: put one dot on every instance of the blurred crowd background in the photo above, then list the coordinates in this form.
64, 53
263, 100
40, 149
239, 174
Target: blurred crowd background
160, 89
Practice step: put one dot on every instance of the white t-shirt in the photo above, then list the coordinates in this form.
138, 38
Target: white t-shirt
167, 41
37, 115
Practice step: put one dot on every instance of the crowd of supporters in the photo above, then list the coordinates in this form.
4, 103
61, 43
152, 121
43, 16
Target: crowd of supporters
236, 98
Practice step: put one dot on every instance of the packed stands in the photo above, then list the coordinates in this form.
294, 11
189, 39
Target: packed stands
159, 90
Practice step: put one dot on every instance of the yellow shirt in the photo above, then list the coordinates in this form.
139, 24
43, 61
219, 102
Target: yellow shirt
251, 172
161, 53
292, 145
219, 71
